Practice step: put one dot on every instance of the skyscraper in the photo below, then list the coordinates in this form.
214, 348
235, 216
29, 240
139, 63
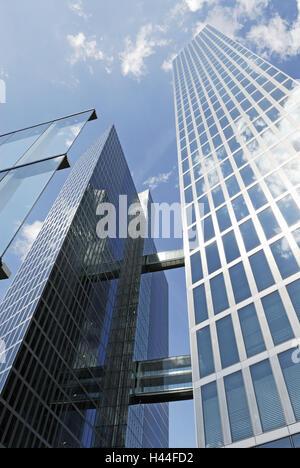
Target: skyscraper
76, 316
238, 131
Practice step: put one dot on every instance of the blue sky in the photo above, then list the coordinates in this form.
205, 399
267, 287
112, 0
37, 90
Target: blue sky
59, 57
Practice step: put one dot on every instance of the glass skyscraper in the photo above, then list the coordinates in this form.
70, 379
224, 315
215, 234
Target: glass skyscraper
238, 131
75, 318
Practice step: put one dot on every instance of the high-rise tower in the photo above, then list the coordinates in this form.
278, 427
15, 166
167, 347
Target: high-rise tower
75, 318
238, 131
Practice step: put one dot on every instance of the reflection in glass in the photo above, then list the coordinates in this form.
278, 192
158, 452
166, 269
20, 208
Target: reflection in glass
219, 294
227, 343
16, 145
269, 223
253, 338
289, 210
267, 397
291, 373
57, 139
278, 321
249, 234
284, 258
205, 352
239, 416
211, 415
19, 191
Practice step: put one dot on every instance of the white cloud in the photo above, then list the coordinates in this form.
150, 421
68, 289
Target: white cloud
27, 237
276, 37
224, 19
134, 55
77, 7
84, 49
167, 65
195, 5
250, 8
155, 181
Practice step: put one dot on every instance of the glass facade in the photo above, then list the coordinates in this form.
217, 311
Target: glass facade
28, 160
72, 334
238, 133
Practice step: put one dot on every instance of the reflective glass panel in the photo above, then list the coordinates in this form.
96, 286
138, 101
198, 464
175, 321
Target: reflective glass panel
239, 416
200, 304
227, 343
19, 191
284, 258
249, 234
239, 282
261, 271
291, 372
278, 321
205, 353
294, 293
211, 415
267, 397
219, 294
16, 145
253, 338
269, 223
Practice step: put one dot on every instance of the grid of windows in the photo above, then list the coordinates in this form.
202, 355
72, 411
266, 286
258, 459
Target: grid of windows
238, 137
63, 325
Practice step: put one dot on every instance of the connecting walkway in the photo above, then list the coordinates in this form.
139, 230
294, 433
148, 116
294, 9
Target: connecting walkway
157, 381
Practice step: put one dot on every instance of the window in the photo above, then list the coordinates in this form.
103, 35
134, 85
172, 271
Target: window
213, 258
257, 197
253, 338
249, 235
204, 207
240, 208
291, 373
190, 215
267, 397
218, 196
230, 246
269, 223
211, 416
240, 158
185, 165
196, 266
223, 218
188, 195
294, 293
205, 353
219, 294
226, 168
261, 271
284, 258
239, 283
187, 179
209, 231
193, 238
279, 324
289, 210
248, 175
239, 416
200, 304
201, 187
227, 343
275, 185
232, 186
